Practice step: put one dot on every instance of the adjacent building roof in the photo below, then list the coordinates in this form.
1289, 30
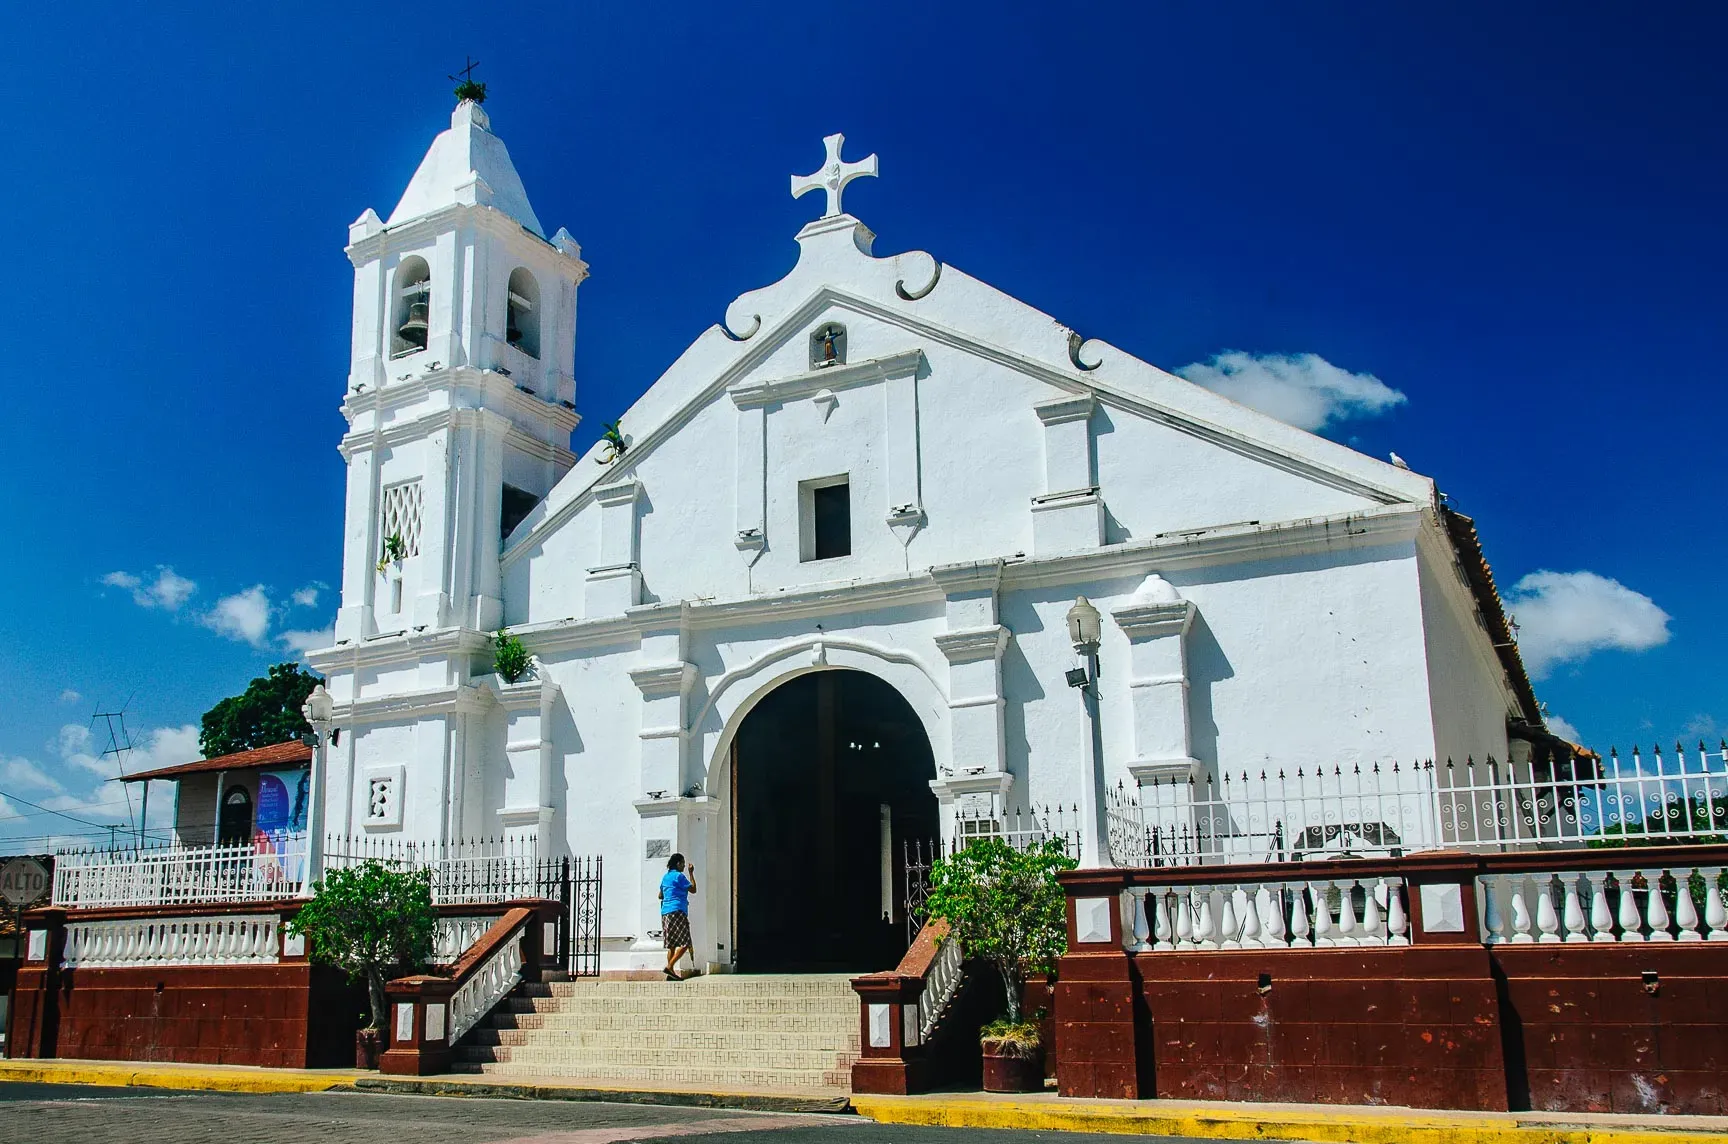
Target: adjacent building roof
278, 755
1463, 532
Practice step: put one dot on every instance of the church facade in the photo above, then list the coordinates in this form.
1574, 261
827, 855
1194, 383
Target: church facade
809, 601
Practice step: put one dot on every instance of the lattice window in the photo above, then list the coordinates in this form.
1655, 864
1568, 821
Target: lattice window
402, 516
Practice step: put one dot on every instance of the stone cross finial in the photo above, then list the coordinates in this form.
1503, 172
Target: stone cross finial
833, 175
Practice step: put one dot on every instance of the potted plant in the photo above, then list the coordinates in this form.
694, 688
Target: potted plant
371, 921
1004, 905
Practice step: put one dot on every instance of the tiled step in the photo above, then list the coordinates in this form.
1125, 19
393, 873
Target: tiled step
716, 985
720, 1080
705, 1040
844, 1024
590, 1060
774, 1033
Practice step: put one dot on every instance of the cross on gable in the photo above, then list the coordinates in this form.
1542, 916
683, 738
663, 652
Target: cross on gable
833, 175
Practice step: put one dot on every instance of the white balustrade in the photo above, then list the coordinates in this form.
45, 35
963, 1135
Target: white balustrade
1270, 915
491, 981
262, 870
456, 935
1654, 903
252, 939
941, 982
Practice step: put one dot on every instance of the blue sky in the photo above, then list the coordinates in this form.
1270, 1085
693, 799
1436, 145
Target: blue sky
1497, 229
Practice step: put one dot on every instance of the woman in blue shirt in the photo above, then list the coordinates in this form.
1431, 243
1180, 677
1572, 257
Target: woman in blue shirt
675, 890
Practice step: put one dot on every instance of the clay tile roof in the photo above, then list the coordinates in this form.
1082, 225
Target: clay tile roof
1469, 546
277, 755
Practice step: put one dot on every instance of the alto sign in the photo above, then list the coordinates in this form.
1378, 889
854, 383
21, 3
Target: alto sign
23, 880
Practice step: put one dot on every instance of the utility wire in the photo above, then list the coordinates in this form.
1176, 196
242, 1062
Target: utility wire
45, 810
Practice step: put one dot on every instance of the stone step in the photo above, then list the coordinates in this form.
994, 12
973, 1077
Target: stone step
838, 1080
827, 1024
586, 1061
720, 1007
706, 1040
719, 985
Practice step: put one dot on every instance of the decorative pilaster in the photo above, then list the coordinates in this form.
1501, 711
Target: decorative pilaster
528, 708
615, 583
973, 645
1069, 514
1156, 621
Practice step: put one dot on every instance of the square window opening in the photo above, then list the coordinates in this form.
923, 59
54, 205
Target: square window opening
826, 511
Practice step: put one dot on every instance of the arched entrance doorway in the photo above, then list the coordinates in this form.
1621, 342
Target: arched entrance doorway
830, 774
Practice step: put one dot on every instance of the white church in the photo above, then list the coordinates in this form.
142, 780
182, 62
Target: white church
811, 601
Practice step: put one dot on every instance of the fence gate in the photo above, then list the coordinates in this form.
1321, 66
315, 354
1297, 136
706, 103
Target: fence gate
579, 921
919, 854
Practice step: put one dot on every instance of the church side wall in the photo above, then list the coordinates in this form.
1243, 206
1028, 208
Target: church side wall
1293, 662
1467, 688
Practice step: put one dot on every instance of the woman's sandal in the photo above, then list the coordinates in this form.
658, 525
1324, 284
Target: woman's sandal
670, 976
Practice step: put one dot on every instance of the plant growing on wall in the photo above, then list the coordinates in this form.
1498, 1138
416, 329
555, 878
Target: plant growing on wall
1005, 906
613, 439
394, 549
509, 658
371, 921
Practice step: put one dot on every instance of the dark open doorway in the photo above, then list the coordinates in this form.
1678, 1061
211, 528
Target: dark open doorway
831, 774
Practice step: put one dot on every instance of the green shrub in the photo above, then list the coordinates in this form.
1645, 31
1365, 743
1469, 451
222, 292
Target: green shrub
509, 658
372, 922
1005, 906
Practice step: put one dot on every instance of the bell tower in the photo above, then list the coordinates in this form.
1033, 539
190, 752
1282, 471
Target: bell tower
461, 388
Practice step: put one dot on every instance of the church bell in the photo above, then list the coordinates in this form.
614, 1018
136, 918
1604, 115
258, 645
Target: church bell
413, 330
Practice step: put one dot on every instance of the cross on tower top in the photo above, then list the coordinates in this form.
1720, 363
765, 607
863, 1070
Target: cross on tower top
833, 175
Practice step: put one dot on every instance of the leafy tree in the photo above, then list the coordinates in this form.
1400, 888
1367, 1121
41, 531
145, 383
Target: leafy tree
267, 712
1005, 906
371, 921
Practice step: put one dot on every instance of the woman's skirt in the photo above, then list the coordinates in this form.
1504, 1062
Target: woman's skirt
677, 927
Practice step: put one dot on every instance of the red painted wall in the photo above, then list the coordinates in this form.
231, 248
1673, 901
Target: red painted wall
293, 1015
1591, 1037
1403, 1026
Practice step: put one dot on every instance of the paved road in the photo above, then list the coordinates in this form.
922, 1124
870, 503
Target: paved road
76, 1114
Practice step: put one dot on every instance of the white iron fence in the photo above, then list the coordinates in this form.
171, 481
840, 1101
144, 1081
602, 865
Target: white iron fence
1387, 809
475, 871
266, 869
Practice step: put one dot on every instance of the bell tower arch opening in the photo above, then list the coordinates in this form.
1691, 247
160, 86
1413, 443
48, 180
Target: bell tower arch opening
830, 776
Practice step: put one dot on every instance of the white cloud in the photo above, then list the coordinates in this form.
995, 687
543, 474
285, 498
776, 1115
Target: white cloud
300, 642
23, 775
70, 696
243, 616
1703, 727
1561, 727
73, 782
1565, 616
78, 747
1304, 390
306, 597
167, 590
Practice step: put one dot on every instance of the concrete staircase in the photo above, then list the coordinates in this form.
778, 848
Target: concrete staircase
793, 1033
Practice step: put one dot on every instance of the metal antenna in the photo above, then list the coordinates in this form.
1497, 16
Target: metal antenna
120, 745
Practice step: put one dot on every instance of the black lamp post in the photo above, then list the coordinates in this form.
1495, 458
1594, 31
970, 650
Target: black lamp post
1085, 629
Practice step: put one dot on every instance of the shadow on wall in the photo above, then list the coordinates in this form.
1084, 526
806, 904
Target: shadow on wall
1020, 686
1207, 665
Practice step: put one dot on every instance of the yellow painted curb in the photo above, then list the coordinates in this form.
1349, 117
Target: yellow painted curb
1345, 1126
145, 1076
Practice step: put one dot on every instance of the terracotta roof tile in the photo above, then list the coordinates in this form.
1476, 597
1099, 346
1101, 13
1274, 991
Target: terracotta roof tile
276, 755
